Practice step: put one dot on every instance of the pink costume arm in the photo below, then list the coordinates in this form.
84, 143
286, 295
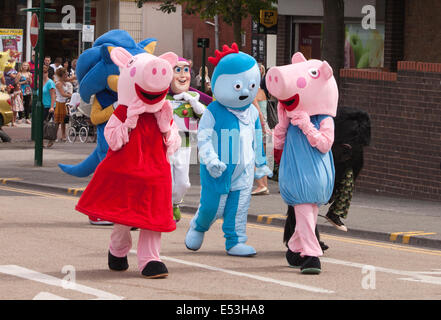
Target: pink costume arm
164, 117
173, 140
116, 131
168, 128
281, 128
321, 139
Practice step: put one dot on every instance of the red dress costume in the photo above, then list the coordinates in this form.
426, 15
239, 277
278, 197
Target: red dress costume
133, 186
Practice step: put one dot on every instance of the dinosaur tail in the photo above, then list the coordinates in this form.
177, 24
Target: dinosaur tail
84, 168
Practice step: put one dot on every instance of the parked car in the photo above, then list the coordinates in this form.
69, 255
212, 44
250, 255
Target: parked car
5, 114
5, 109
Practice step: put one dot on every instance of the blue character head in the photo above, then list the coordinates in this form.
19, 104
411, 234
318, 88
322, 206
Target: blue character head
96, 72
236, 78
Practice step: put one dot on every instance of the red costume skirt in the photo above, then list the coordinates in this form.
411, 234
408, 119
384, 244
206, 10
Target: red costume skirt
133, 186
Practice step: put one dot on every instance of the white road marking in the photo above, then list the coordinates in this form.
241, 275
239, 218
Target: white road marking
412, 275
48, 296
247, 275
28, 274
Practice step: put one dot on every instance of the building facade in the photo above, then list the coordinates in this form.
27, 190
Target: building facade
402, 96
64, 28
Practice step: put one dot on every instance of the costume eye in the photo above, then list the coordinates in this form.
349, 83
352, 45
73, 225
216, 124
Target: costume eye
186, 69
314, 73
252, 85
131, 62
238, 86
178, 69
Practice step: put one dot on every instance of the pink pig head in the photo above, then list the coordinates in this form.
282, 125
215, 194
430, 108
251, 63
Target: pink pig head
304, 85
144, 78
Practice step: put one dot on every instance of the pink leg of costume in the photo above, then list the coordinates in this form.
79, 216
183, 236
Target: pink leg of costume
149, 244
120, 241
304, 239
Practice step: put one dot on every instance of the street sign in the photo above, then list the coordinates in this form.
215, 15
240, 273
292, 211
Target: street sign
268, 22
34, 30
88, 33
203, 43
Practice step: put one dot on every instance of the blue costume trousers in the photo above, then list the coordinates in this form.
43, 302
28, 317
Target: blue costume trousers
232, 207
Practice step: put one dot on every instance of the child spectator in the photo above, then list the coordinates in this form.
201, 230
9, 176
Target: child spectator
24, 79
16, 101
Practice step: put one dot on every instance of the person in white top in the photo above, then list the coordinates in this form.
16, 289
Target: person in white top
57, 64
63, 93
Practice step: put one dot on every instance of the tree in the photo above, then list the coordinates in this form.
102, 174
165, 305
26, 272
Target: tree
231, 11
333, 40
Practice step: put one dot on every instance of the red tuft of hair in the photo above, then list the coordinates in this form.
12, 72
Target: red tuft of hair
225, 51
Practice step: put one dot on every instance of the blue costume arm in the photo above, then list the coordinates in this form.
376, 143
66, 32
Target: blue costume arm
207, 153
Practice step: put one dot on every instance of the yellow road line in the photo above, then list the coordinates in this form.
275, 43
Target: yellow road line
264, 227
4, 180
37, 193
74, 190
408, 234
269, 217
406, 238
349, 240
394, 235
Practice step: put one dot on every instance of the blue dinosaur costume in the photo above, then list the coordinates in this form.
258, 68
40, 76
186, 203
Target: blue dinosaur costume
230, 148
97, 75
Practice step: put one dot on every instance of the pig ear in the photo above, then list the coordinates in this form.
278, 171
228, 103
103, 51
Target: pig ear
326, 70
120, 57
171, 57
298, 57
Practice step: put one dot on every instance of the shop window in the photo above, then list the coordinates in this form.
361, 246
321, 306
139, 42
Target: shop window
364, 48
310, 39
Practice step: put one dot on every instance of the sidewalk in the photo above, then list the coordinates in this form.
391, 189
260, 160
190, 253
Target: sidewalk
371, 216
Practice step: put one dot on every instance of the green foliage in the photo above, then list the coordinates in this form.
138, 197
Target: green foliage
229, 10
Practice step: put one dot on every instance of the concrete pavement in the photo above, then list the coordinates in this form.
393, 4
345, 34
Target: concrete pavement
371, 216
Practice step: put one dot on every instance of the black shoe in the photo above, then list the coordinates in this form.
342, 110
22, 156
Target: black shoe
323, 246
294, 259
155, 270
117, 264
335, 220
311, 265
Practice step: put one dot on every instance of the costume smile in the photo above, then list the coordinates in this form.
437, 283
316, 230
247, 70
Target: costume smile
243, 97
149, 97
291, 103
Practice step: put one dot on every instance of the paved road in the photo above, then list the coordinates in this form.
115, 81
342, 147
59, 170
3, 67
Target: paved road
49, 251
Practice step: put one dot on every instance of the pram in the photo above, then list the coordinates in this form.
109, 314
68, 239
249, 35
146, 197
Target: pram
79, 120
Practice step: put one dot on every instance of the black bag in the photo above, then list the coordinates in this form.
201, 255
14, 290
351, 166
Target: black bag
271, 110
50, 128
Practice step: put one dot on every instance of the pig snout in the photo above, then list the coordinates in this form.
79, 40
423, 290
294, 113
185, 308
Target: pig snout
276, 83
157, 75
282, 83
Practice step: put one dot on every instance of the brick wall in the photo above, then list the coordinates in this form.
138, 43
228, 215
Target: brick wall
283, 40
422, 25
405, 107
394, 33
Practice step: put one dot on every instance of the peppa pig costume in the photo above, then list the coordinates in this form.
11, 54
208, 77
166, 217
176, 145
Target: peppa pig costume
132, 186
308, 98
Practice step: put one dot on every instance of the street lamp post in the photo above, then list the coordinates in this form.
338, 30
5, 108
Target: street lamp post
216, 31
38, 107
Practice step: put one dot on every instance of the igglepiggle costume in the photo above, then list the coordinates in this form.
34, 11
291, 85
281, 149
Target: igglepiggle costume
187, 109
230, 148
132, 186
98, 76
308, 98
